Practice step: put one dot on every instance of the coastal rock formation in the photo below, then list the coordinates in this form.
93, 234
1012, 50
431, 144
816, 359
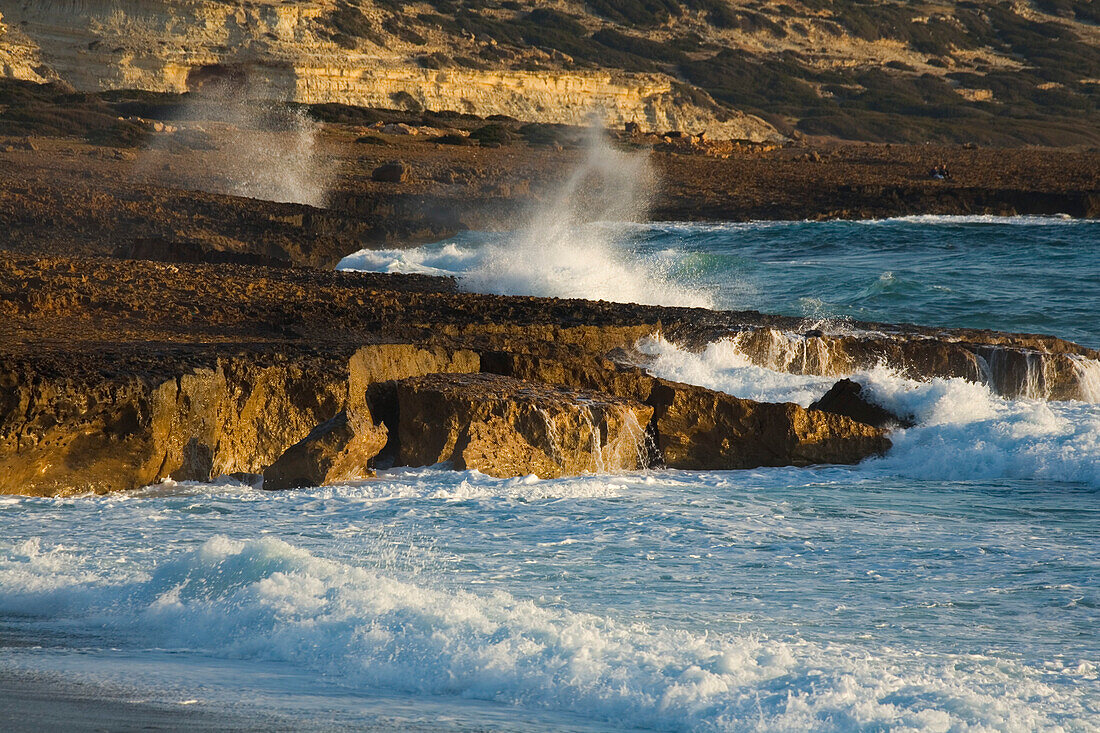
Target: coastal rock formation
846, 398
242, 369
697, 428
509, 427
125, 429
1014, 366
340, 449
701, 429
304, 420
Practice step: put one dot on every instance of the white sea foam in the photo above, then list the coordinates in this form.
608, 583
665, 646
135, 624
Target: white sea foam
1027, 220
447, 259
963, 432
574, 246
268, 600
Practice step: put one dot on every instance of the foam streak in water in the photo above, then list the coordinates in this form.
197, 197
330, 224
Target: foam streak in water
267, 599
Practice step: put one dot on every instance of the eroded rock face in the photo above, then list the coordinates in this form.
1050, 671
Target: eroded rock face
701, 429
234, 416
1013, 365
508, 427
697, 428
223, 415
340, 449
288, 51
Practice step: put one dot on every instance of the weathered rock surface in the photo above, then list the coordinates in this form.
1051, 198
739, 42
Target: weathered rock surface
509, 427
125, 429
393, 172
115, 374
340, 449
846, 398
697, 428
1013, 365
701, 429
298, 51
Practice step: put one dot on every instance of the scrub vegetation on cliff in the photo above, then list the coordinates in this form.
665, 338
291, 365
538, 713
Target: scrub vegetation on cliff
881, 70
994, 72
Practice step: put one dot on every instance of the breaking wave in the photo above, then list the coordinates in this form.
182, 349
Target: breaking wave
574, 246
269, 600
964, 431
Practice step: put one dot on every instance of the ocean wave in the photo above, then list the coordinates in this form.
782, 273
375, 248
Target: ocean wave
578, 262
964, 431
269, 600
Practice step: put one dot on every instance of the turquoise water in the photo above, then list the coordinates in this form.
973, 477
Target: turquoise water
1029, 274
951, 585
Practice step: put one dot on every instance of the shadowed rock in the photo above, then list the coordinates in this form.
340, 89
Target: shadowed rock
339, 449
697, 428
509, 427
393, 172
846, 398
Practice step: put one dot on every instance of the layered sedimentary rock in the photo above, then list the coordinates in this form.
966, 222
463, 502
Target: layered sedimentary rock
510, 427
289, 51
1032, 367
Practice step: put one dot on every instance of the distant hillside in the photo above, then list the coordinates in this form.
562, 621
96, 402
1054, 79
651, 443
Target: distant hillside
986, 72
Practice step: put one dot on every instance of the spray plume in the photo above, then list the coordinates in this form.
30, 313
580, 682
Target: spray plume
573, 246
253, 146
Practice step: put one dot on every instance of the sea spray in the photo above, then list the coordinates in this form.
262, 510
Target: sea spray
964, 431
574, 245
252, 145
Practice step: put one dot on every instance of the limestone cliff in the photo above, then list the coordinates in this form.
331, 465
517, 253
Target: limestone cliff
986, 71
294, 51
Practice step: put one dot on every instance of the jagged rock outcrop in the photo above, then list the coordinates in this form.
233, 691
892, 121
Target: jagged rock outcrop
249, 412
107, 432
1014, 366
340, 449
698, 428
846, 398
301, 419
509, 427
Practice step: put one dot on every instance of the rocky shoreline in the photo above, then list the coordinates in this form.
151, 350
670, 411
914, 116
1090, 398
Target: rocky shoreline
118, 373
152, 326
165, 201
